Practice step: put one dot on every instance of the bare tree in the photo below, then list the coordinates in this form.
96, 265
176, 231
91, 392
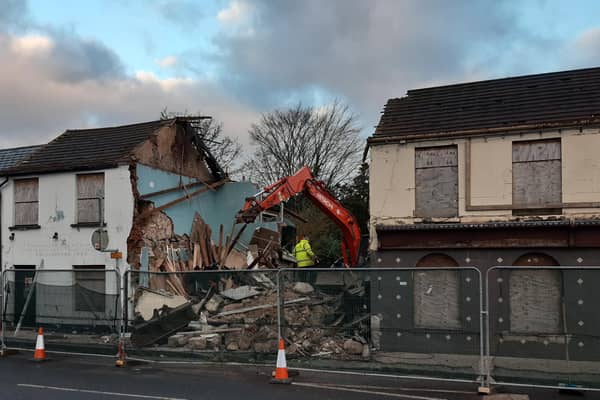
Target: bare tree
325, 139
225, 149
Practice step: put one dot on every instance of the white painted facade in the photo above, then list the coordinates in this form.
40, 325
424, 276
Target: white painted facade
57, 212
56, 245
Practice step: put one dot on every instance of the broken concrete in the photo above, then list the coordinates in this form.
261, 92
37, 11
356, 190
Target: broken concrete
240, 293
303, 288
149, 301
353, 347
214, 304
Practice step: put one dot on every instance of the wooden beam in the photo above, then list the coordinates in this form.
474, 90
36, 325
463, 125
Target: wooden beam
180, 187
190, 195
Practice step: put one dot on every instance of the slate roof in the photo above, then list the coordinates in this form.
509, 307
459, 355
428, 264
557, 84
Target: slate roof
85, 149
531, 101
10, 157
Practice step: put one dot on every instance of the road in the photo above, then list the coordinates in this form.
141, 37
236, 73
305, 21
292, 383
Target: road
69, 377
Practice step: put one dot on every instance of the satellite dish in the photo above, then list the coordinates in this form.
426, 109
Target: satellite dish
100, 239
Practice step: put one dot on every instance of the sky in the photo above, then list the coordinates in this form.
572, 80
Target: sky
76, 64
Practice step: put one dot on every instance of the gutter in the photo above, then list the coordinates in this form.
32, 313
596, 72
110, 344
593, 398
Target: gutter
378, 139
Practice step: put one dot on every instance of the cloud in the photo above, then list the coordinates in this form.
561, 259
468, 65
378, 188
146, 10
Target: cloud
167, 62
362, 52
30, 45
42, 95
237, 12
184, 13
585, 48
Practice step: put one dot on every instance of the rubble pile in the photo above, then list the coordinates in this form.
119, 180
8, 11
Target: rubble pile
154, 247
239, 313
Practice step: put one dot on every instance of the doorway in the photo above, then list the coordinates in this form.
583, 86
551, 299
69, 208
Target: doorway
24, 287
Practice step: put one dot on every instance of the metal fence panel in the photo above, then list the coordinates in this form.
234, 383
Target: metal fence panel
543, 326
393, 319
66, 301
198, 312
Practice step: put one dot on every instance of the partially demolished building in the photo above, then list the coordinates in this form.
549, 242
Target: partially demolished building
115, 198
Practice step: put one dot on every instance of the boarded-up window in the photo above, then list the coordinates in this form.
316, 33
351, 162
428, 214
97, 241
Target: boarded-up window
26, 202
537, 174
436, 294
535, 301
90, 288
90, 198
436, 181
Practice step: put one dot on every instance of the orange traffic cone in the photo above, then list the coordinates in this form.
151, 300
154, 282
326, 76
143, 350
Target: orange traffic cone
281, 372
40, 351
121, 356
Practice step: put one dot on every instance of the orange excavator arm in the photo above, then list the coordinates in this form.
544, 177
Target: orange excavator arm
303, 182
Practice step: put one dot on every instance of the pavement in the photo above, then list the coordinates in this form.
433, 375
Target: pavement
68, 376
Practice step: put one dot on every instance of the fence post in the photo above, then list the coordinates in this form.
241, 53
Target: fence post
2, 310
279, 303
484, 387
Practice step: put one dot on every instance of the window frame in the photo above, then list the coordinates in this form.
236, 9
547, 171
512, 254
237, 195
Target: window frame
101, 202
33, 224
86, 269
420, 212
522, 208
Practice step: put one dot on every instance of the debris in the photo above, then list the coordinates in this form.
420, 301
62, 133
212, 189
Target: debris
197, 343
214, 303
151, 300
303, 288
166, 322
261, 307
240, 293
353, 347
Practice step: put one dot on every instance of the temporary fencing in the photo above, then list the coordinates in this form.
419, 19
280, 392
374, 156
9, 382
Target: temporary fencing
543, 326
533, 326
419, 321
219, 310
68, 301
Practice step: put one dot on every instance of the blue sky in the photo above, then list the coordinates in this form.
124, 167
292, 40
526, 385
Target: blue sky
91, 62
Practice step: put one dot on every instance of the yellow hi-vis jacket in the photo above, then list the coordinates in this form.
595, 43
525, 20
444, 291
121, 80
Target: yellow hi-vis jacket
303, 253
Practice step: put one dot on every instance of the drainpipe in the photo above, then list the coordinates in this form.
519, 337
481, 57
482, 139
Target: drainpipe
1, 227
2, 305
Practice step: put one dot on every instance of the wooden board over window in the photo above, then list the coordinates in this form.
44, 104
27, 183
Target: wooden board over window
436, 297
26, 201
535, 301
537, 180
436, 180
90, 198
437, 293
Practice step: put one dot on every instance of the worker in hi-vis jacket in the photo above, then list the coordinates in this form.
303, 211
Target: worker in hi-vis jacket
303, 253
305, 259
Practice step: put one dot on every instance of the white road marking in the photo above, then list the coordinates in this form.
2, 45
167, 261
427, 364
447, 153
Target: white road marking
64, 389
401, 389
346, 389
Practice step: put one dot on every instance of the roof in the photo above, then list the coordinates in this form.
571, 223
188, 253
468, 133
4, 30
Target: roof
531, 101
10, 157
85, 149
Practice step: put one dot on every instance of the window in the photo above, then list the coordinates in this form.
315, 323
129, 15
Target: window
436, 294
535, 296
436, 182
90, 287
537, 175
90, 198
26, 202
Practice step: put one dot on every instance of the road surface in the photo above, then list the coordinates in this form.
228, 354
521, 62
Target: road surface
69, 377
